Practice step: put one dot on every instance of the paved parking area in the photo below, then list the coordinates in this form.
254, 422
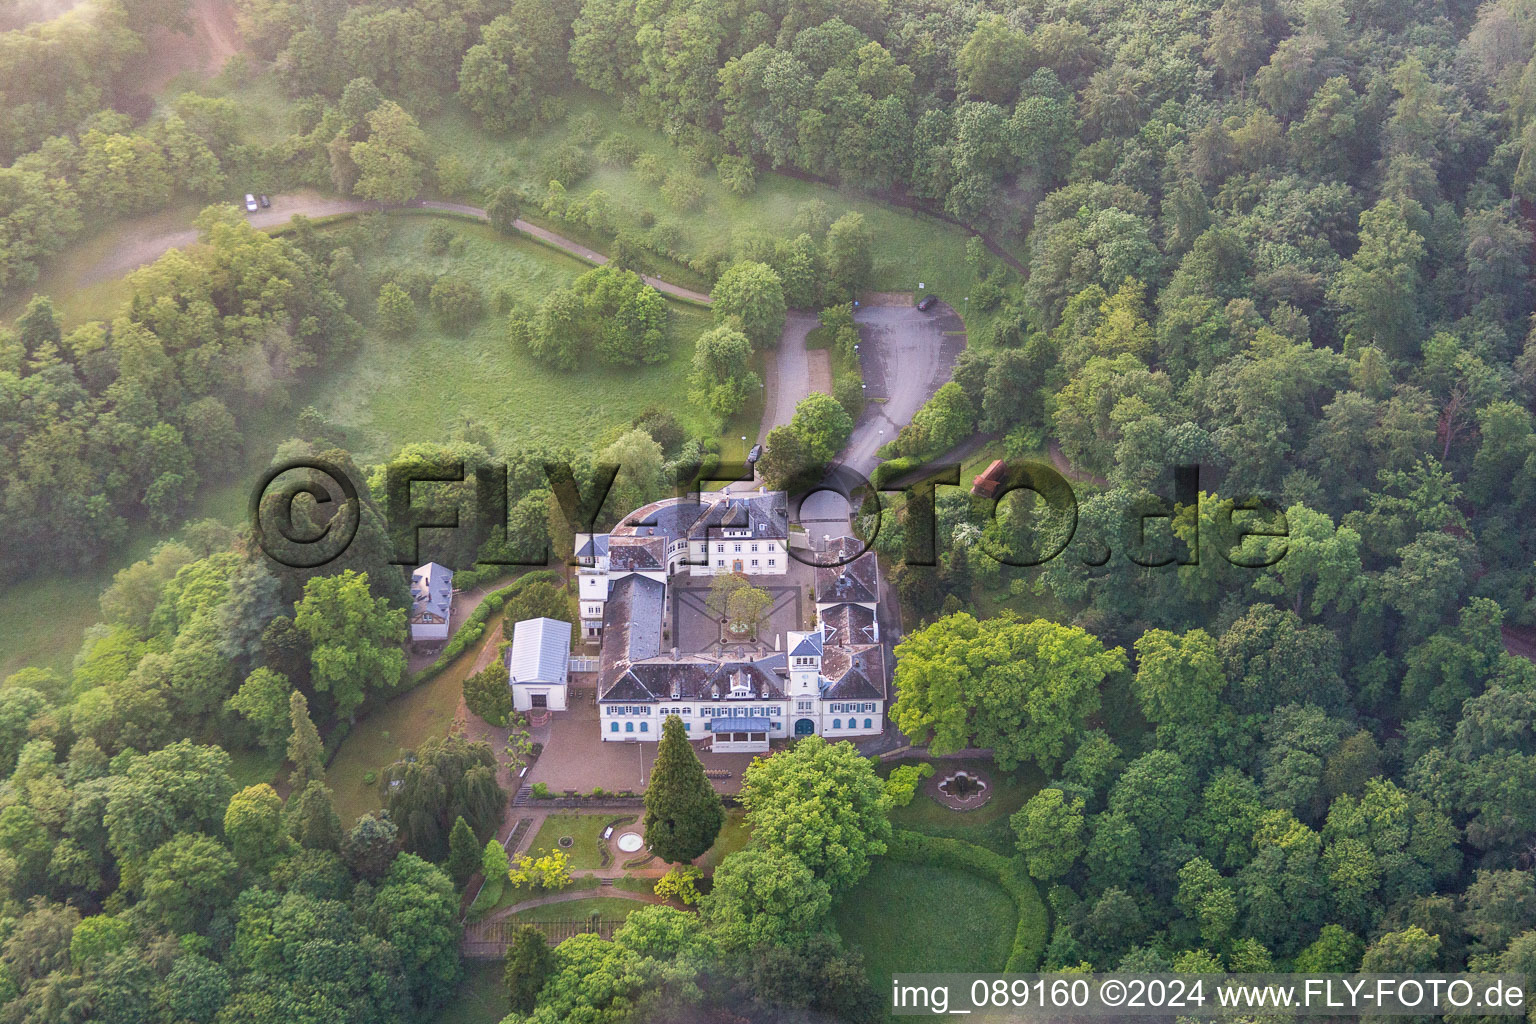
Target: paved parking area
575, 758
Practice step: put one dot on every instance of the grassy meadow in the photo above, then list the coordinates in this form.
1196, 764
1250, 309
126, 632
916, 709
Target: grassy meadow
915, 917
909, 248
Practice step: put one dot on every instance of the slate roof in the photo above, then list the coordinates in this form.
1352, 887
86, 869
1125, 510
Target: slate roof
431, 593
696, 517
849, 624
635, 554
809, 646
856, 581
631, 624
696, 677
592, 545
541, 650
854, 673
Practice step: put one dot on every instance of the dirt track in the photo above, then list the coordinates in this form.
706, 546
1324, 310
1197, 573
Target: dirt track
315, 204
213, 39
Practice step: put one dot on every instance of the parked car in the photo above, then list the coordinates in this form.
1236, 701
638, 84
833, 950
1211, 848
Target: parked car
755, 454
265, 202
925, 304
250, 203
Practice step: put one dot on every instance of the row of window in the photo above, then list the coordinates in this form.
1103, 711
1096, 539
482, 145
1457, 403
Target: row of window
645, 727
771, 547
720, 562
643, 711
688, 726
836, 708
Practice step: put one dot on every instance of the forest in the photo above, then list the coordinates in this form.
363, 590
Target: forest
1288, 241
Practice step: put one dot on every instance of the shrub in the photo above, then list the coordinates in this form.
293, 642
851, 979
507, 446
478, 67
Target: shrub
452, 176
650, 169
683, 192
584, 127
738, 175
440, 238
541, 791
680, 883
849, 392
456, 303
396, 311
618, 150
568, 164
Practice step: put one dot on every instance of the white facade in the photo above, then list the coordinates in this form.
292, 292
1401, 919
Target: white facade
538, 664
737, 551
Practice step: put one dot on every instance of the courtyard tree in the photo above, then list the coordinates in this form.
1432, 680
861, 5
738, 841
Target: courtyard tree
821, 803
733, 598
683, 813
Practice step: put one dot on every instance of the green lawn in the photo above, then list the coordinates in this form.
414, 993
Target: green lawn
914, 917
404, 723
609, 908
481, 997
732, 837
398, 391
908, 248
585, 829
988, 824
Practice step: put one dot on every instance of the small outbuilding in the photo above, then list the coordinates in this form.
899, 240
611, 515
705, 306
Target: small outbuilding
538, 664
991, 481
431, 602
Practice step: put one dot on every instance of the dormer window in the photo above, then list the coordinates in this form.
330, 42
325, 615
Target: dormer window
676, 691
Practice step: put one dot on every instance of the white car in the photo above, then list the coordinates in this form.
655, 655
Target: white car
250, 203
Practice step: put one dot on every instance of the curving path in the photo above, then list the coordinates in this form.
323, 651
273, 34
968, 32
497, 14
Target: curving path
571, 897
314, 204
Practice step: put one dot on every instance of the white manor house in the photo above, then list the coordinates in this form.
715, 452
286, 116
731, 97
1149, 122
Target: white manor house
829, 680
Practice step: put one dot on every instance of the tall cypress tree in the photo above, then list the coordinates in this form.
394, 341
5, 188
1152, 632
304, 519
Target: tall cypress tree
463, 852
683, 814
305, 749
528, 965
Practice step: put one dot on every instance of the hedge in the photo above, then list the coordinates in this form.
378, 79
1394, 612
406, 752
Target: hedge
895, 469
1030, 937
473, 628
